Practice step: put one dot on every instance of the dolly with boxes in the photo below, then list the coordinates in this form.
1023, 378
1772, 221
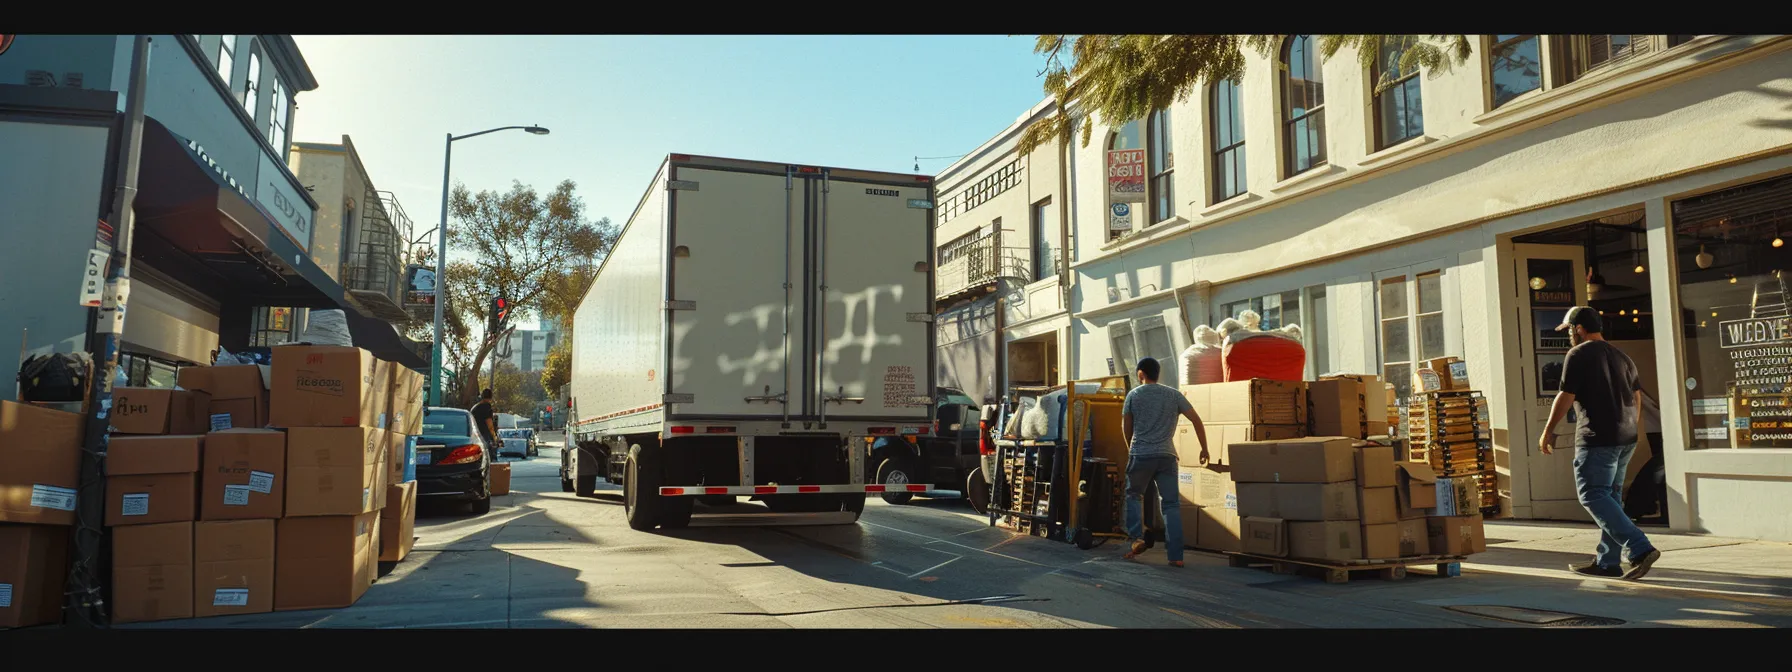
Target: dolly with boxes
252, 489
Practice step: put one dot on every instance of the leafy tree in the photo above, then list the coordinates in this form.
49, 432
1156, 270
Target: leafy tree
522, 245
1125, 77
557, 371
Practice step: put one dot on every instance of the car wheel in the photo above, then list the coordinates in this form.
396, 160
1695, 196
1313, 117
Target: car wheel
482, 505
895, 472
976, 491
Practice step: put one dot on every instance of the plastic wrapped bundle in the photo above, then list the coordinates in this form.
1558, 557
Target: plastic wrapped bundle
1201, 362
1271, 355
327, 327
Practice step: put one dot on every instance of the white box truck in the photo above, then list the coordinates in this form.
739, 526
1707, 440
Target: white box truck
753, 323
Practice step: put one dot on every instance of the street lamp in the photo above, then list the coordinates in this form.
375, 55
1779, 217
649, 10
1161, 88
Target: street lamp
435, 356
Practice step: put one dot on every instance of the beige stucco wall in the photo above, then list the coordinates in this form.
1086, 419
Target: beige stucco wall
324, 173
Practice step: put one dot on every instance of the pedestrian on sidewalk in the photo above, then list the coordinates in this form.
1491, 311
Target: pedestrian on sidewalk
1148, 420
484, 419
1648, 493
1600, 382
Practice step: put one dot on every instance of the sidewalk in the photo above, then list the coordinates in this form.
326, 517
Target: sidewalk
1737, 568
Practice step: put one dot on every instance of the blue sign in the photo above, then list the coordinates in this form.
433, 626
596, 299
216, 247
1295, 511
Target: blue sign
1122, 209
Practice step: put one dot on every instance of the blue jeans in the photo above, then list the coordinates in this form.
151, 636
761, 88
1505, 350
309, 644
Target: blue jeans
1599, 480
1160, 469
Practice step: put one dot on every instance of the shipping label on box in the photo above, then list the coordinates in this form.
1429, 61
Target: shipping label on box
146, 499
242, 478
40, 464
143, 410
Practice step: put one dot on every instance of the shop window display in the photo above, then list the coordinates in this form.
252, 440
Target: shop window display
1733, 289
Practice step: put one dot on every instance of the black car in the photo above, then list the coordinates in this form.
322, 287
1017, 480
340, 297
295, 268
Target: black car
453, 462
945, 459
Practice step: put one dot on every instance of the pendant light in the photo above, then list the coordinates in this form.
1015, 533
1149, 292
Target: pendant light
1704, 258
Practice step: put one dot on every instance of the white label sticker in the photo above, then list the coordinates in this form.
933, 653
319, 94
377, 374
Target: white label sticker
236, 495
136, 504
1185, 477
1710, 433
261, 481
5, 595
52, 497
1232, 502
93, 283
220, 422
366, 497
230, 597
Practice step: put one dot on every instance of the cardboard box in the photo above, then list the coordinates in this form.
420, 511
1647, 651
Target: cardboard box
332, 471
1415, 538
1375, 467
398, 522
325, 386
239, 391
1378, 506
1308, 460
1377, 428
324, 562
1458, 496
1334, 540
1298, 501
33, 573
500, 475
40, 464
397, 457
152, 479
1459, 376
233, 567
1265, 536
1416, 488
1445, 369
152, 572
1456, 535
143, 410
1250, 402
244, 475
1335, 407
1213, 518
1220, 435
1381, 542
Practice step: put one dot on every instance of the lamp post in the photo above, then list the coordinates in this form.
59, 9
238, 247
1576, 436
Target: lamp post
435, 356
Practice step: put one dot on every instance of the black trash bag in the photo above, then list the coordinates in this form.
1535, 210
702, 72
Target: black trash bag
58, 377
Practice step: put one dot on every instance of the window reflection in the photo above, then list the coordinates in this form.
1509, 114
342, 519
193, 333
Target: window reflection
1516, 65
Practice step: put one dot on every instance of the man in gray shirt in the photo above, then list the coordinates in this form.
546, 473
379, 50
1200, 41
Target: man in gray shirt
1148, 419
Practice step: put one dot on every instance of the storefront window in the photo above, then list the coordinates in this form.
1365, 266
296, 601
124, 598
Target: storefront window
1735, 320
1412, 327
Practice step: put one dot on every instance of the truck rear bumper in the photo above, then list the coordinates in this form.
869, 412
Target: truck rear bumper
699, 490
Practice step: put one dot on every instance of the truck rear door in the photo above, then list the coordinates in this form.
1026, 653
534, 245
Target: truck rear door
873, 335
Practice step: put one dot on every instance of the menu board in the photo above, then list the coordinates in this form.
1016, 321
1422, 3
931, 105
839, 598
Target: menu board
1759, 352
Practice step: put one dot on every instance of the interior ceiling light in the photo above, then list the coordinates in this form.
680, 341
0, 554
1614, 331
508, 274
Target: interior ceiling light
1704, 259
1732, 279
1539, 283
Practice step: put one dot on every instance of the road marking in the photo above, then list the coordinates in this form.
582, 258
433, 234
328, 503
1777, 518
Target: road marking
1619, 583
937, 540
930, 569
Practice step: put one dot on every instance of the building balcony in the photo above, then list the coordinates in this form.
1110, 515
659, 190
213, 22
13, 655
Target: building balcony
980, 263
373, 269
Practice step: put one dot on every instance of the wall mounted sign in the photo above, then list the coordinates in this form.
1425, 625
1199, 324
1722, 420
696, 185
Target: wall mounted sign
276, 193
1126, 175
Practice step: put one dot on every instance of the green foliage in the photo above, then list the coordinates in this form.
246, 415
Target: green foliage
557, 371
1125, 77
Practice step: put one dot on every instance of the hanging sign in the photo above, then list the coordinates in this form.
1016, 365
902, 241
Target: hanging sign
1126, 175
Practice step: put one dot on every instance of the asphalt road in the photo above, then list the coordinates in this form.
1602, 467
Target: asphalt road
546, 559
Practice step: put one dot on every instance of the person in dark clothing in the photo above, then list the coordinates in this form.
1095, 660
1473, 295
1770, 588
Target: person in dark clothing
486, 421
1600, 382
1648, 494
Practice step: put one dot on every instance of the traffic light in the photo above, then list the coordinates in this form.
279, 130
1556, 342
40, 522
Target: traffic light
500, 310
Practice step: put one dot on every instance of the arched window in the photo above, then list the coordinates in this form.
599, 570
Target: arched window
1399, 112
1225, 111
1125, 145
1303, 105
254, 82
1162, 162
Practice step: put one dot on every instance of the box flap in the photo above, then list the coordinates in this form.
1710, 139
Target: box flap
1417, 471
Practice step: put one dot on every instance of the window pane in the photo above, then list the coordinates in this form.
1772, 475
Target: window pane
254, 81
226, 60
1396, 341
1517, 68
1401, 376
1157, 344
1431, 336
1393, 297
1125, 356
1431, 293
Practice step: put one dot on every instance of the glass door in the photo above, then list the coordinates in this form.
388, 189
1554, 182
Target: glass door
1553, 280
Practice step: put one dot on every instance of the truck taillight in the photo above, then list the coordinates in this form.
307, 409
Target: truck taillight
683, 430
984, 444
463, 455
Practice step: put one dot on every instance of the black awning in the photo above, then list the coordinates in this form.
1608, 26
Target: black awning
383, 340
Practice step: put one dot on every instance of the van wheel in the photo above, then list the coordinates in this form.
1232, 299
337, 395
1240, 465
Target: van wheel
897, 472
976, 491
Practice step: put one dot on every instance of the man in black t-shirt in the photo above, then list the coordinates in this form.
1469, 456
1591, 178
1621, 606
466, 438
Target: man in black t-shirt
1600, 382
485, 421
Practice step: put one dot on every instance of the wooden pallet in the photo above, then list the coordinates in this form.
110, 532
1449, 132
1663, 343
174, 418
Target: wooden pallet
1339, 571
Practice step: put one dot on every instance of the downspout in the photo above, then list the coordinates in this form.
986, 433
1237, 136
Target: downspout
1067, 160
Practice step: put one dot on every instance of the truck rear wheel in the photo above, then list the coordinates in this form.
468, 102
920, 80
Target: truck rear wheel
641, 490
853, 504
897, 472
585, 486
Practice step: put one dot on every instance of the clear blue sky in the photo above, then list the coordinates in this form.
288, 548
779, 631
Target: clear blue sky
617, 105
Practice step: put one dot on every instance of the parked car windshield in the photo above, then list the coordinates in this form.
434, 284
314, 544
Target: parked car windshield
448, 423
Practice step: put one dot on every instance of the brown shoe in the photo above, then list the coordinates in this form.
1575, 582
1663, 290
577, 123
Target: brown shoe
1640, 566
1139, 547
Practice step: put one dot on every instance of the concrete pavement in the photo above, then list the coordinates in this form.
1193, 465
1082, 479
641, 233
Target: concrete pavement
546, 559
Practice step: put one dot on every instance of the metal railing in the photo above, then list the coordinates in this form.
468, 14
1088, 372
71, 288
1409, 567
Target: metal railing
373, 266
980, 262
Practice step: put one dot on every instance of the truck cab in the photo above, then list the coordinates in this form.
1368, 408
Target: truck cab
944, 459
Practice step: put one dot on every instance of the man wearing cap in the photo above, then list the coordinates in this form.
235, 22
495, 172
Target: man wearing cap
1600, 382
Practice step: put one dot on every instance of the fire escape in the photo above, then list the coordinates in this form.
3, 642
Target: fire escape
375, 271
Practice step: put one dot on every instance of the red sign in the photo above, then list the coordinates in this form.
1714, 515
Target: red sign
1126, 175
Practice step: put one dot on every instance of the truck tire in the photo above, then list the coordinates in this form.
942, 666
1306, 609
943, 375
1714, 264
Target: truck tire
585, 486
853, 504
897, 470
976, 491
641, 498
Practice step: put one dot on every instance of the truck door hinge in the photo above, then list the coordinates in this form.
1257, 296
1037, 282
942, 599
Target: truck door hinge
920, 317
679, 399
681, 185
768, 397
681, 305
841, 398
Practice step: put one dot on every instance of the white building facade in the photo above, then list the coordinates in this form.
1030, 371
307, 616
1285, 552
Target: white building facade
1459, 213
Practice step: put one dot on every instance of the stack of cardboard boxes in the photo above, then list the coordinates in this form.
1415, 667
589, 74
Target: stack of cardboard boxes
40, 465
1232, 413
1448, 423
152, 499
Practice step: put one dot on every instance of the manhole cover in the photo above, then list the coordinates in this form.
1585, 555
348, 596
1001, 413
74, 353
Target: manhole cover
1543, 618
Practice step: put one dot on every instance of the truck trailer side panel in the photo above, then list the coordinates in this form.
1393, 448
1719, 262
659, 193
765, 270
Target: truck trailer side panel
618, 329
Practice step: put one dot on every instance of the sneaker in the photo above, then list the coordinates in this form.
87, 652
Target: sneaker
1640, 566
1591, 569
